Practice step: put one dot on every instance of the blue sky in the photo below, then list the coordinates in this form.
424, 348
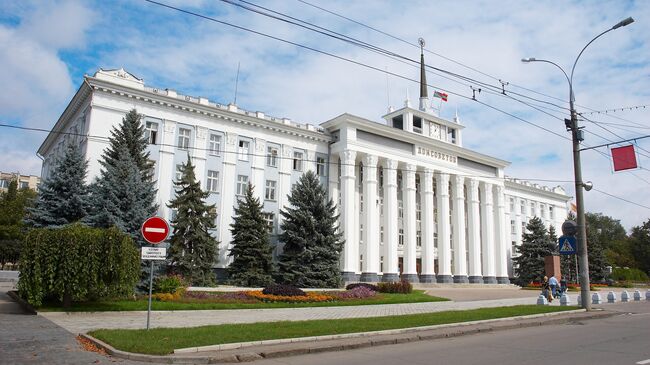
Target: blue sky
47, 47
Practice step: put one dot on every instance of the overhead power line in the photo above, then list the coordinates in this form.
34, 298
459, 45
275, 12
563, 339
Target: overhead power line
613, 110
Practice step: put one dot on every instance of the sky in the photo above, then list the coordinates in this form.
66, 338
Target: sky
46, 48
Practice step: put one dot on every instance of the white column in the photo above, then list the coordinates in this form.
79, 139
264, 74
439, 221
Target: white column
257, 166
334, 187
391, 266
284, 178
371, 221
444, 244
427, 274
408, 195
350, 260
501, 239
227, 198
518, 219
458, 222
199, 155
475, 276
487, 234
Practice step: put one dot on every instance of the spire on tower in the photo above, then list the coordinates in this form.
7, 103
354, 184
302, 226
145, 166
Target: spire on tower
424, 97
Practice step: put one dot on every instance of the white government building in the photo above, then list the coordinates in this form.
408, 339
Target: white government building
412, 201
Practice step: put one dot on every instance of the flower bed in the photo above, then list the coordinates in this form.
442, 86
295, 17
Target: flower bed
309, 297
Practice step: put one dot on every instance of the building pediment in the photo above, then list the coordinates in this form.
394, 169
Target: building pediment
120, 76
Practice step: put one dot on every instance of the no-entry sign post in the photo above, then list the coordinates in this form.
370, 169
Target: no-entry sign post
154, 230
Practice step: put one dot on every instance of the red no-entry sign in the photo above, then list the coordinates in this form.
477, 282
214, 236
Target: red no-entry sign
155, 230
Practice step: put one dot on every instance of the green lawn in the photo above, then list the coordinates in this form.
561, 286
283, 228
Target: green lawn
417, 296
160, 341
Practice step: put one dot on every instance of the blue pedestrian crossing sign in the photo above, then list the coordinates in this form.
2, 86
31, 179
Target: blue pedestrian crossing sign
567, 245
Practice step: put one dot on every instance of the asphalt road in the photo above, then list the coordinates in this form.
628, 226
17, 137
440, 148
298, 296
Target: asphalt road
622, 339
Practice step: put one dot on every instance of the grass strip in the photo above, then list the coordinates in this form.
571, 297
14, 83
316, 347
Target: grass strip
417, 296
161, 341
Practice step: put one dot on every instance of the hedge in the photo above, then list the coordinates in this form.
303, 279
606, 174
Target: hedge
77, 263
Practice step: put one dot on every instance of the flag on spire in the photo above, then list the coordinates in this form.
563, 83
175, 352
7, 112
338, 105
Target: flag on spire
441, 95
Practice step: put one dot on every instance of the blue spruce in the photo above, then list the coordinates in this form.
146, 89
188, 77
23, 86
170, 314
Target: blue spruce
63, 197
312, 246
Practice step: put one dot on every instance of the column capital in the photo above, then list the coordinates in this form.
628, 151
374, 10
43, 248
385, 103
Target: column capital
370, 161
348, 156
408, 175
390, 164
459, 180
501, 201
487, 189
473, 190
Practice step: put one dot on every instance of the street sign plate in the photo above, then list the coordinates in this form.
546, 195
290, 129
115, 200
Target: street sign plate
153, 253
567, 245
155, 230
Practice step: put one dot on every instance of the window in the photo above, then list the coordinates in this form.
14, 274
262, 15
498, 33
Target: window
418, 238
151, 132
242, 184
400, 237
381, 235
523, 227
269, 218
24, 185
272, 156
512, 205
400, 209
532, 208
179, 172
297, 161
213, 181
270, 190
4, 184
452, 135
214, 146
184, 138
512, 227
550, 213
542, 211
173, 214
361, 203
243, 150
320, 166
523, 207
417, 124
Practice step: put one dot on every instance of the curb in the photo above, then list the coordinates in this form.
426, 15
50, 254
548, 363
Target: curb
23, 304
234, 353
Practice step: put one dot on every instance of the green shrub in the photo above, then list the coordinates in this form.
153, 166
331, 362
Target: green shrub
401, 287
168, 283
77, 263
624, 274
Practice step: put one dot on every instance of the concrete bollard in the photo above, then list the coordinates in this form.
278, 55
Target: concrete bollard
541, 300
637, 295
595, 298
625, 296
647, 295
565, 300
611, 297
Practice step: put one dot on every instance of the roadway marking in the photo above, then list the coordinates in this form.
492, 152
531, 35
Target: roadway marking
154, 230
644, 362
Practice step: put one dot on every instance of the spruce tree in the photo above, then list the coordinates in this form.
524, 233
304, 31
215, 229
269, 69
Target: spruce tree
124, 195
312, 245
251, 250
193, 251
63, 197
536, 244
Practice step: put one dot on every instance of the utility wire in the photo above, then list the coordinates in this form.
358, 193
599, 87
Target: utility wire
606, 111
622, 199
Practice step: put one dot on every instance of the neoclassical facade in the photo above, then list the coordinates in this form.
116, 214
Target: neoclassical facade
413, 202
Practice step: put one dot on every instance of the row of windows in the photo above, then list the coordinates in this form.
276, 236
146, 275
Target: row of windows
214, 148
522, 206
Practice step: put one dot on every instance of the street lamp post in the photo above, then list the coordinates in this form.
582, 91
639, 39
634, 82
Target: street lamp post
577, 168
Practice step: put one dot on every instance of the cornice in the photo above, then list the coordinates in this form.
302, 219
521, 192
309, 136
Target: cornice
535, 190
205, 110
77, 101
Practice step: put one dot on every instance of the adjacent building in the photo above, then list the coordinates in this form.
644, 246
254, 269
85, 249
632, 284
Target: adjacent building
24, 181
413, 202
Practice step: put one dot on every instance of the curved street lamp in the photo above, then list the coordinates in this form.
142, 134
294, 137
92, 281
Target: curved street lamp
577, 167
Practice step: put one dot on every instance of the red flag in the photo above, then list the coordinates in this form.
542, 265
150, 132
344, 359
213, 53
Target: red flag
624, 158
438, 94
